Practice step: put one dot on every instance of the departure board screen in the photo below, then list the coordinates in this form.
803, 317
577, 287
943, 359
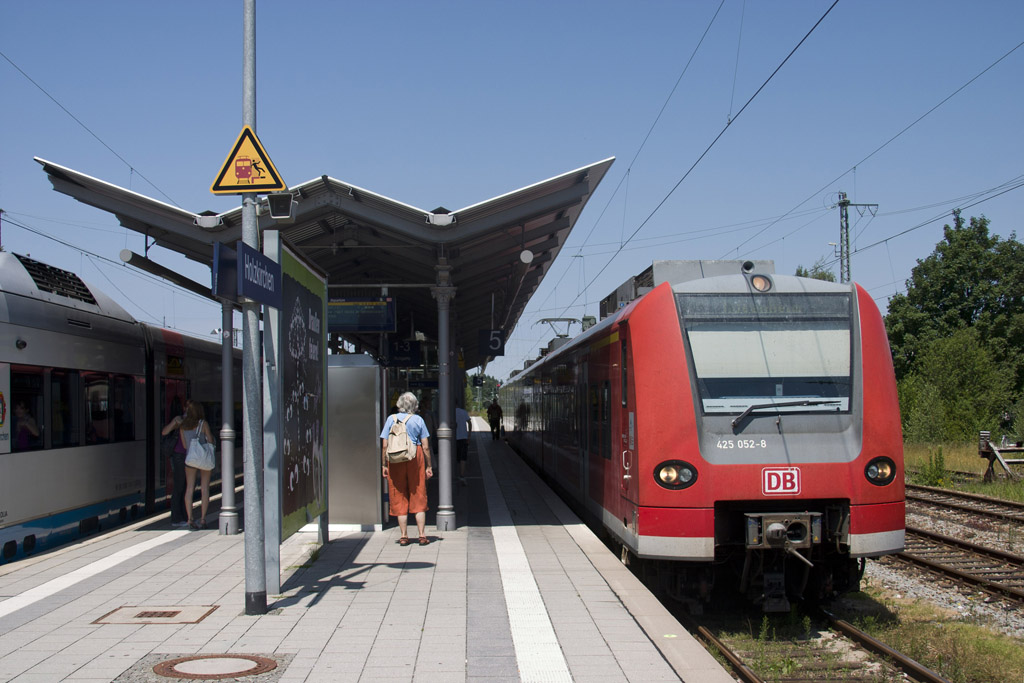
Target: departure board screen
361, 315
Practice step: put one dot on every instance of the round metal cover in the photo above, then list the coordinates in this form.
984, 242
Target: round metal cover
214, 667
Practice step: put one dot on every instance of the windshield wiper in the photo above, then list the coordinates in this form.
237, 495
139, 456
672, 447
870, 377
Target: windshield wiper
789, 404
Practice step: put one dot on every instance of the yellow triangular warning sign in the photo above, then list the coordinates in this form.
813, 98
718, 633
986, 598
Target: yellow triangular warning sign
248, 168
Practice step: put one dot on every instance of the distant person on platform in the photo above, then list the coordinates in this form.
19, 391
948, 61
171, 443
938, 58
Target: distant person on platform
462, 429
494, 418
407, 481
176, 455
426, 411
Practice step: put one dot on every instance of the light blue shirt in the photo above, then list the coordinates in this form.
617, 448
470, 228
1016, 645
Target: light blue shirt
414, 426
461, 418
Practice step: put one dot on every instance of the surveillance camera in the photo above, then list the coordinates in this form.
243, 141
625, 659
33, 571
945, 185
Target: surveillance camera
281, 205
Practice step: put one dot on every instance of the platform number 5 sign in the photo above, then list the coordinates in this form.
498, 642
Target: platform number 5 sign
492, 342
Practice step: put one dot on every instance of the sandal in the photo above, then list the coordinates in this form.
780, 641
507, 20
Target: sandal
403, 541
424, 540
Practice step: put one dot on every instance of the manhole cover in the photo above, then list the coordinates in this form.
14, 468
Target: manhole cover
214, 667
159, 614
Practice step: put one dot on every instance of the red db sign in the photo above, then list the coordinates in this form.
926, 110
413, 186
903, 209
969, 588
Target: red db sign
778, 481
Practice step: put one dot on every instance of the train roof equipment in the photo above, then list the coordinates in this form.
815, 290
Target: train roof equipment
676, 272
24, 282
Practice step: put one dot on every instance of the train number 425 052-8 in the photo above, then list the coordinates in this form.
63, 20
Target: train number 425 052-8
741, 443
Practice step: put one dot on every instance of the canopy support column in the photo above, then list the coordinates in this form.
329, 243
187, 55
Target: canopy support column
444, 293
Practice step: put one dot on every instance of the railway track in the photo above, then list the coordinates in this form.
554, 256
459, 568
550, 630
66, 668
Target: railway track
844, 653
992, 508
997, 573
958, 476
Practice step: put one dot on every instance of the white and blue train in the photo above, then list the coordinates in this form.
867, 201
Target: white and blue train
84, 392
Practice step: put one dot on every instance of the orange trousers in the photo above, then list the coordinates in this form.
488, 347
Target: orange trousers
407, 486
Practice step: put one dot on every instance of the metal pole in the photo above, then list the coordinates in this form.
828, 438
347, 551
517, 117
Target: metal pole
844, 238
444, 293
844, 234
228, 512
252, 420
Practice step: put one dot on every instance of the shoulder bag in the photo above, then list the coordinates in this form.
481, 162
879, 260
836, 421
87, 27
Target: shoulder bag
200, 454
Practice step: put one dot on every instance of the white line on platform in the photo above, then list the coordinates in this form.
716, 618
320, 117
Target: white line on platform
538, 653
47, 589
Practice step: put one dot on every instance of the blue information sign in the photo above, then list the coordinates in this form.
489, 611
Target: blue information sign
259, 278
405, 354
491, 342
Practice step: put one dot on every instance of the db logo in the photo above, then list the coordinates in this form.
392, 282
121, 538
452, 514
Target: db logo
777, 481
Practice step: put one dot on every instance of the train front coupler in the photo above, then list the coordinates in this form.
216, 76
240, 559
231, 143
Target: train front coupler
779, 535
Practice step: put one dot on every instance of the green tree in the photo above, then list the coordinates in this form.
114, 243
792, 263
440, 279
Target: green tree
957, 389
971, 280
818, 272
477, 397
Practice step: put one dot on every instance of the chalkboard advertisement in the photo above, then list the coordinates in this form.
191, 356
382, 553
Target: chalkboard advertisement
295, 419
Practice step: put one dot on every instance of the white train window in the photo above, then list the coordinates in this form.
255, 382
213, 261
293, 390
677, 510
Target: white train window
770, 350
26, 408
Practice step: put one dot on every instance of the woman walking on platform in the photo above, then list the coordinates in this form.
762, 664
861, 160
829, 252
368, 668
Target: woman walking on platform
407, 481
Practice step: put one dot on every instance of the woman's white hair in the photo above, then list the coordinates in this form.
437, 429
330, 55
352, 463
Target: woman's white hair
407, 403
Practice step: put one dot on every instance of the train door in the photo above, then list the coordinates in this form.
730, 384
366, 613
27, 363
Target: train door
598, 442
581, 427
626, 425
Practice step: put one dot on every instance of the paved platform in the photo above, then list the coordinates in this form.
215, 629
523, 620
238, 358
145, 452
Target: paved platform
521, 591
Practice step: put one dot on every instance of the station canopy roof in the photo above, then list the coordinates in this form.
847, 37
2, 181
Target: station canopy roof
364, 241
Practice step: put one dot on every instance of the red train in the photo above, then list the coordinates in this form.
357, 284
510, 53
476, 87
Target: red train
725, 424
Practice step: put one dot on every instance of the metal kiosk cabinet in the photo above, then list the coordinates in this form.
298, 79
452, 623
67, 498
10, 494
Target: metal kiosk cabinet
355, 485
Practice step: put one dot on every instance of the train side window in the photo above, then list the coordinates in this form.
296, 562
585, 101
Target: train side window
97, 407
625, 374
27, 408
122, 400
63, 416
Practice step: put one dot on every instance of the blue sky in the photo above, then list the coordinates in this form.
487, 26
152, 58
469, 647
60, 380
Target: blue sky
452, 103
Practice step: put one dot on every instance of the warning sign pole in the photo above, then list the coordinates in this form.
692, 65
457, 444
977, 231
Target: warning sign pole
252, 376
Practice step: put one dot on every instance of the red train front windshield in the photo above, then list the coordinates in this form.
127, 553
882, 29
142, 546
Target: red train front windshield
777, 352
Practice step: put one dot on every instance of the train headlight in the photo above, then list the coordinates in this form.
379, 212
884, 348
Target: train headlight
880, 471
761, 283
675, 475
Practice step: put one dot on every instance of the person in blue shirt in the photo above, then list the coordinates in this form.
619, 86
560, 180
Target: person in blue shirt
407, 481
462, 429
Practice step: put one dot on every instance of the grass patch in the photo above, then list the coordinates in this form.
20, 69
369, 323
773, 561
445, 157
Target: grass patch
314, 555
933, 462
953, 645
780, 646
956, 457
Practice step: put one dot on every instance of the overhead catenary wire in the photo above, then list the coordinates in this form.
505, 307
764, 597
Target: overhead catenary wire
1003, 189
708, 149
131, 169
873, 153
643, 143
695, 163
636, 155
